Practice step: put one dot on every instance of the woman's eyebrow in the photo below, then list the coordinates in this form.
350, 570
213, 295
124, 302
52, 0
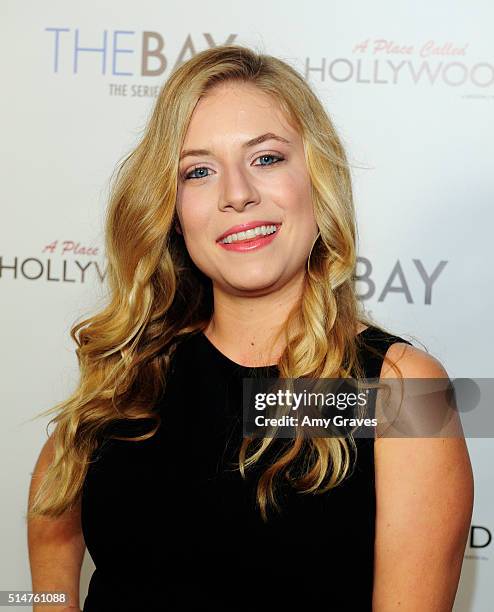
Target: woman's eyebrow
246, 145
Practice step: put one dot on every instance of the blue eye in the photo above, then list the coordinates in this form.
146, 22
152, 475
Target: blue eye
278, 158
189, 175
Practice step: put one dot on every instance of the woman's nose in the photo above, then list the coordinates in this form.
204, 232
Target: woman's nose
238, 189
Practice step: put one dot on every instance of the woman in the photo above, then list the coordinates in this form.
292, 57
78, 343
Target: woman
231, 247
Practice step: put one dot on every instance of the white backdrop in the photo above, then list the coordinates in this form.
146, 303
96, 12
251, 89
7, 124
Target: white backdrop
410, 87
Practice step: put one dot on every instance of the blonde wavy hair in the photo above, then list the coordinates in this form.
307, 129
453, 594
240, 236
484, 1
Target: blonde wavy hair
157, 296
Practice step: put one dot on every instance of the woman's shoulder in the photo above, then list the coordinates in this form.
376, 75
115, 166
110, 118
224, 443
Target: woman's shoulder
395, 349
413, 362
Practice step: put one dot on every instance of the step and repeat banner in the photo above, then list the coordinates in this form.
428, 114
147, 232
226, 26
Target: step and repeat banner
410, 88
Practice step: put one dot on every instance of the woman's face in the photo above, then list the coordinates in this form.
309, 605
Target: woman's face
227, 181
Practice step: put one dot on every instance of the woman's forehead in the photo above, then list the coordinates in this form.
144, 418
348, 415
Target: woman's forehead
239, 112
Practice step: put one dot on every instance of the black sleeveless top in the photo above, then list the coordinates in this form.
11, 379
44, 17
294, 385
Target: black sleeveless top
171, 526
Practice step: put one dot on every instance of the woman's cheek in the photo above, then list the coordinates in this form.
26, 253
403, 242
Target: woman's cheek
195, 213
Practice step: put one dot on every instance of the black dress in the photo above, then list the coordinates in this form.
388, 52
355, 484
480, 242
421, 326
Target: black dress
169, 527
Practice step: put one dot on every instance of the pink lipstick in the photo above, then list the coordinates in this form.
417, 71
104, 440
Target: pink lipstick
244, 238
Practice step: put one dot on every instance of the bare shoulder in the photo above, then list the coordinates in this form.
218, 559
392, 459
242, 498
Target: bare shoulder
424, 499
412, 362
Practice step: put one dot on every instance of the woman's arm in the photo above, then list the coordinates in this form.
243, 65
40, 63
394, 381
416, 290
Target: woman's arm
424, 490
56, 546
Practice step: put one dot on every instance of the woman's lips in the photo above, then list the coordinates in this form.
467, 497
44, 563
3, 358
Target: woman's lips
250, 244
243, 227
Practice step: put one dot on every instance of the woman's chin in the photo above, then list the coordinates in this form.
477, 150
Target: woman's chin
253, 283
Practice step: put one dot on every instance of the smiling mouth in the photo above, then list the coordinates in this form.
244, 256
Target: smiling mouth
252, 234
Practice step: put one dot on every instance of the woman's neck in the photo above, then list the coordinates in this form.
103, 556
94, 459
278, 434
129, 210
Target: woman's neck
244, 327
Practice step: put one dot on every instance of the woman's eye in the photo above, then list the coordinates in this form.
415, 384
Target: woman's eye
277, 159
203, 169
189, 174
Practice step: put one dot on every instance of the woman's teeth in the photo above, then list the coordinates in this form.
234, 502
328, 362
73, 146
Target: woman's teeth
261, 230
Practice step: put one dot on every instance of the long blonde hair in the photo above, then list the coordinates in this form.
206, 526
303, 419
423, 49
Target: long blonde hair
157, 295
